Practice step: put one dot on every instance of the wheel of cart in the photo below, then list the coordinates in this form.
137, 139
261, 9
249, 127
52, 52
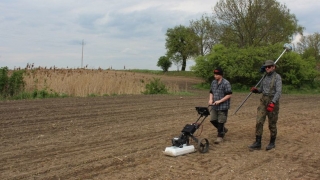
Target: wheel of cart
203, 145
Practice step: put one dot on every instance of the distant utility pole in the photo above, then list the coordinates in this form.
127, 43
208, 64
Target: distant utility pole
82, 54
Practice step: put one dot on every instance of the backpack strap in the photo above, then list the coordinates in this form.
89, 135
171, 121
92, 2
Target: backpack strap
272, 83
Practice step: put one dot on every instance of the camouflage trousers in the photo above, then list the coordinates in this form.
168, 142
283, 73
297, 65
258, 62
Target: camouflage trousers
262, 113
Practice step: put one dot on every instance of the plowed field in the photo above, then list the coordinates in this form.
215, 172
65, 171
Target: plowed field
122, 137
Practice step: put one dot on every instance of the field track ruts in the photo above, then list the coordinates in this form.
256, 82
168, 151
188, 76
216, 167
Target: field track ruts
122, 137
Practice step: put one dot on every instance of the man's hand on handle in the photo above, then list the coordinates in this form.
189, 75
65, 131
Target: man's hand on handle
216, 102
254, 90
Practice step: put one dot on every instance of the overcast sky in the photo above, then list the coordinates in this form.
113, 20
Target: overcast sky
116, 33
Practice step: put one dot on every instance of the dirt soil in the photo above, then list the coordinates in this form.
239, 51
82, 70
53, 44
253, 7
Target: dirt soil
123, 137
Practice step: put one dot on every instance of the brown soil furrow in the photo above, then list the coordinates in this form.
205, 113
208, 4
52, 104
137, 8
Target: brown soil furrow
122, 137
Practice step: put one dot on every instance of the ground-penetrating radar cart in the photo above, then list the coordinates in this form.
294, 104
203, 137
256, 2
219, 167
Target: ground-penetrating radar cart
180, 144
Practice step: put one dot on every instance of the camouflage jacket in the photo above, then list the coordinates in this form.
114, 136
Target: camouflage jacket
276, 90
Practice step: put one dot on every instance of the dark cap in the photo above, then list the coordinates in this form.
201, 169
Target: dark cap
218, 71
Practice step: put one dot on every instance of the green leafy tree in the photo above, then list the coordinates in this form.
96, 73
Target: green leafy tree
11, 85
296, 70
16, 83
181, 42
255, 22
176, 60
242, 65
164, 62
4, 79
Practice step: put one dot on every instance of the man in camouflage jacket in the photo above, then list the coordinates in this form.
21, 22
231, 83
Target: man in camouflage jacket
271, 88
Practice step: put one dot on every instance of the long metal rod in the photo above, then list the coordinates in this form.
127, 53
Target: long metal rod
248, 95
256, 85
280, 56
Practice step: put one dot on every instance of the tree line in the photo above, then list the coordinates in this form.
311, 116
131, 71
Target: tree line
239, 36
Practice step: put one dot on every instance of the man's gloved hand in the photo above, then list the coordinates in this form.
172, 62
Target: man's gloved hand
270, 107
254, 90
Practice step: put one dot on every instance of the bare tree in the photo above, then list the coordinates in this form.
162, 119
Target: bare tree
310, 46
208, 33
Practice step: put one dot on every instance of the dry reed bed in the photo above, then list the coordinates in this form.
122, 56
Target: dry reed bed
83, 82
